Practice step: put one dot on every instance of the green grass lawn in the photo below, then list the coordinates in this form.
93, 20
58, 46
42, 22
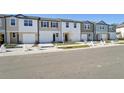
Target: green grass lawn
65, 43
72, 46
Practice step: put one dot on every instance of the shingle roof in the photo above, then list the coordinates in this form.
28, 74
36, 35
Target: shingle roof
102, 23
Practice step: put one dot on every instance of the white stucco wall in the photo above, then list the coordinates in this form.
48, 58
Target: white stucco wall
23, 28
47, 36
121, 30
73, 33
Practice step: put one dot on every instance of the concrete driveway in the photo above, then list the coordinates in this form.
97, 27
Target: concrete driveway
97, 63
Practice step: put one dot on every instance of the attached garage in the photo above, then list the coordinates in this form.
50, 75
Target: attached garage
28, 38
84, 37
112, 36
102, 36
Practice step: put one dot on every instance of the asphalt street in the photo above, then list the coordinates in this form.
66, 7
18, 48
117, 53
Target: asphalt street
98, 63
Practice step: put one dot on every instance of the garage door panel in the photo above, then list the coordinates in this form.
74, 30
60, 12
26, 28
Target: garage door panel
29, 38
84, 37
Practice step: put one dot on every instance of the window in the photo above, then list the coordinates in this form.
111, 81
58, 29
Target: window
87, 26
28, 23
67, 24
14, 35
101, 27
44, 24
54, 24
75, 25
57, 34
12, 22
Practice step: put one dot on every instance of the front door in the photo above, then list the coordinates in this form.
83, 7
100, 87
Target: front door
13, 38
54, 37
66, 37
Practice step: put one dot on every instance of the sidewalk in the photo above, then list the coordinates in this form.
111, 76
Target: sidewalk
20, 51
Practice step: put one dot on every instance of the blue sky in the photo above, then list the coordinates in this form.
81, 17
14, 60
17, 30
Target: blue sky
108, 18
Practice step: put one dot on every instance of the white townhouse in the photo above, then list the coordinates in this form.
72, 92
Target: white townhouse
49, 30
22, 29
101, 31
120, 31
58, 30
70, 30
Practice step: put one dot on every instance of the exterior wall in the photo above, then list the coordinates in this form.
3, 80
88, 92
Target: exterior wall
98, 30
2, 28
121, 31
112, 35
26, 29
47, 36
86, 32
73, 33
87, 37
22, 33
2, 24
49, 28
89, 30
12, 28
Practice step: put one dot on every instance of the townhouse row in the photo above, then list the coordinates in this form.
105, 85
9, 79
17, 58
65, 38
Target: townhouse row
29, 29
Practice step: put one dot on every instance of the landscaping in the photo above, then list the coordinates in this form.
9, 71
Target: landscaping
72, 46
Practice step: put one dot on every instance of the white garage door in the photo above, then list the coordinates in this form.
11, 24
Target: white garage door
104, 36
112, 36
84, 37
29, 38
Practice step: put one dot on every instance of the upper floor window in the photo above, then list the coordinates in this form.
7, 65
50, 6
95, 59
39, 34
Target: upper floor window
54, 24
0, 22
87, 26
13, 22
67, 24
101, 27
28, 23
44, 24
75, 25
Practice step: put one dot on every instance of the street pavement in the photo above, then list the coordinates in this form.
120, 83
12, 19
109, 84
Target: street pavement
94, 63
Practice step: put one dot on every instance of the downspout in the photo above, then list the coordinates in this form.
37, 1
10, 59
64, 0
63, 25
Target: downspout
94, 33
5, 30
38, 30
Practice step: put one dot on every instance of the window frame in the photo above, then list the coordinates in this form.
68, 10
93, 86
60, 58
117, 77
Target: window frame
54, 24
45, 24
67, 24
13, 22
28, 22
87, 26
